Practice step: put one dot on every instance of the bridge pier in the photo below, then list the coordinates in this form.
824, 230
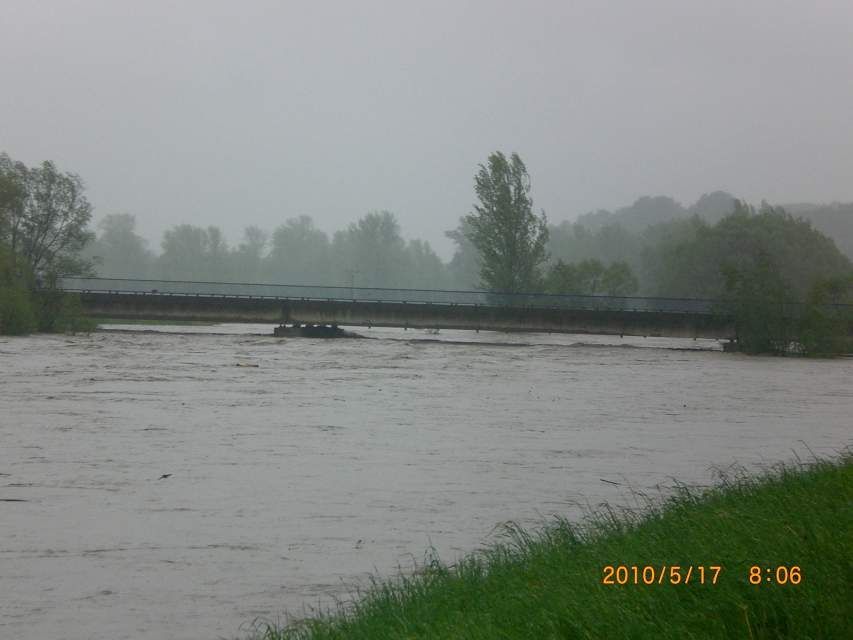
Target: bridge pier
299, 330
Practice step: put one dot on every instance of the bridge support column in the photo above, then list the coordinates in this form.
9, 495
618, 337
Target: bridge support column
299, 330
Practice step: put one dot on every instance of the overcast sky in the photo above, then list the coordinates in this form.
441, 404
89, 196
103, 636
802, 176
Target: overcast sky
251, 112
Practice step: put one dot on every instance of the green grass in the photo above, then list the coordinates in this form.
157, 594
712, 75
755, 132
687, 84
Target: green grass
549, 584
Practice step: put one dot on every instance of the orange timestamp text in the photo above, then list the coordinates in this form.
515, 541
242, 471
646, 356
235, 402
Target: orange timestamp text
664, 574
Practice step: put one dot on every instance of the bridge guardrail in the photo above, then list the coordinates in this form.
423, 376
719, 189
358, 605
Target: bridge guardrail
372, 294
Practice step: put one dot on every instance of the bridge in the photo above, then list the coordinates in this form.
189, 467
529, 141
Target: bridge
313, 306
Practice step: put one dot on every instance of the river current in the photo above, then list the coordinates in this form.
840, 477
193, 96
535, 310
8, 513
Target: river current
182, 482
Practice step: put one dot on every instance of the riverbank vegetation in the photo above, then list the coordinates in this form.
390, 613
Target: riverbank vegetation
794, 523
44, 217
784, 281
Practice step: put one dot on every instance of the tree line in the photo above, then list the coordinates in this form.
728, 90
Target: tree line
370, 252
720, 248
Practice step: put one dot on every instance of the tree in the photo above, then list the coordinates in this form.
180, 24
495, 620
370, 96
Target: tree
619, 280
510, 238
757, 297
299, 254
827, 317
426, 270
217, 263
591, 277
372, 252
583, 278
12, 197
185, 253
690, 262
464, 267
16, 310
118, 251
247, 260
45, 217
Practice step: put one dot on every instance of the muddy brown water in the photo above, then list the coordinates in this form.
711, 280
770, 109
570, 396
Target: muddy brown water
298, 467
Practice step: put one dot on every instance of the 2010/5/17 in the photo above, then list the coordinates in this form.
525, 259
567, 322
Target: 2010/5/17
664, 574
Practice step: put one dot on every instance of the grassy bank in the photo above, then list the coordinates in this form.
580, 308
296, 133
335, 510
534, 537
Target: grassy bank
549, 584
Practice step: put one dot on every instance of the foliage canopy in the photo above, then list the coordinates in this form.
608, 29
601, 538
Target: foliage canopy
509, 237
45, 217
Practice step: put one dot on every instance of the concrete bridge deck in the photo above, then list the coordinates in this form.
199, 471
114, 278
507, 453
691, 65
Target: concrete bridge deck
407, 308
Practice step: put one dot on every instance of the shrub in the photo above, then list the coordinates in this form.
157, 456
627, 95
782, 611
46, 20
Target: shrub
824, 327
60, 312
16, 311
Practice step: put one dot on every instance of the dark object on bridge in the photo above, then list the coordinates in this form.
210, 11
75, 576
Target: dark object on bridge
312, 331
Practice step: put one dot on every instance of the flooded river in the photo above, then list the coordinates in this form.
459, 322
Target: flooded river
179, 485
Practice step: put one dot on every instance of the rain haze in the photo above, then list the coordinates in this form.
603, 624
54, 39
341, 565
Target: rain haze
426, 320
215, 113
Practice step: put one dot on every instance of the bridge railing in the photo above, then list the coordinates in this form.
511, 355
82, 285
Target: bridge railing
372, 294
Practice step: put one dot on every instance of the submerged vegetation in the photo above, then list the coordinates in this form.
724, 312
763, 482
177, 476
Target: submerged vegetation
795, 524
24, 311
768, 321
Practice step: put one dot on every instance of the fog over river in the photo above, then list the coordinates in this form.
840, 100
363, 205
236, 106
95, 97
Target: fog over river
300, 466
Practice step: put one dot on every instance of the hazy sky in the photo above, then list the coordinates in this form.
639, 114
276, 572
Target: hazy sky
236, 113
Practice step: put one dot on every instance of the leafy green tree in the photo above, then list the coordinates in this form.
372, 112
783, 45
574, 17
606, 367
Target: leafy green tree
59, 312
45, 217
759, 299
827, 318
668, 266
563, 278
16, 311
509, 237
591, 277
12, 197
582, 278
619, 280
690, 263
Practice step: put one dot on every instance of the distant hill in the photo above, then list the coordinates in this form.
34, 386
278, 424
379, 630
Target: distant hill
651, 210
645, 211
714, 206
834, 220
